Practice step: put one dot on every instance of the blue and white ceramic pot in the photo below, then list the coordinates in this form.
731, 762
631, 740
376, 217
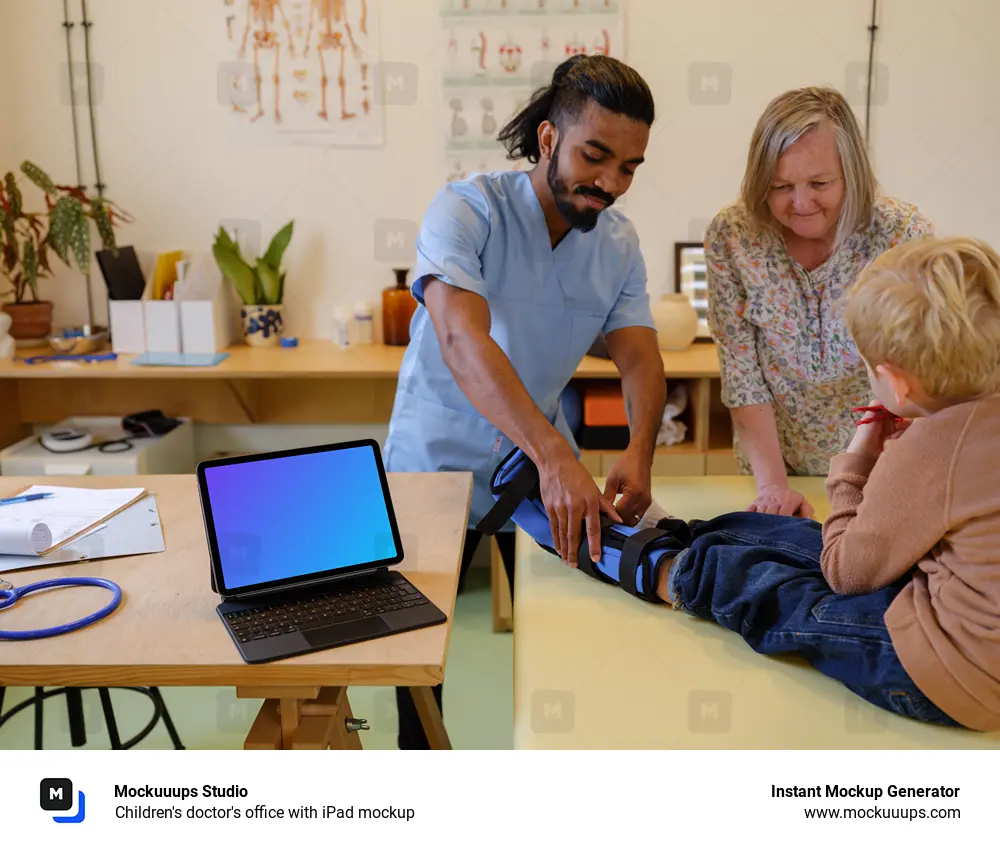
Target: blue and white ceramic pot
263, 324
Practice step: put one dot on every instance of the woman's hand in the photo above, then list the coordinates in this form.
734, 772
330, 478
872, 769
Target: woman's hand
870, 439
774, 499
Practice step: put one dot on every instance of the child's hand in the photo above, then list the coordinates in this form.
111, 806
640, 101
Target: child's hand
869, 439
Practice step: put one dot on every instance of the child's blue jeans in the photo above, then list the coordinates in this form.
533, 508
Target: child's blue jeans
759, 575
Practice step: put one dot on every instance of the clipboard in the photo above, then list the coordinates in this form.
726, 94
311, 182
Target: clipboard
42, 505
135, 530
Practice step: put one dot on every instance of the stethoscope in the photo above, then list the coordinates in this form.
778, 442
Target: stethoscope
9, 596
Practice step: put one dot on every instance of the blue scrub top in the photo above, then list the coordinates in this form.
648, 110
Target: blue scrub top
487, 234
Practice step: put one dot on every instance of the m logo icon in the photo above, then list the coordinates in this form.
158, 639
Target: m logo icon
56, 795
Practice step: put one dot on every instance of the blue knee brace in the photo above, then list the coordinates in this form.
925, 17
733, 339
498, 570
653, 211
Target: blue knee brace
630, 557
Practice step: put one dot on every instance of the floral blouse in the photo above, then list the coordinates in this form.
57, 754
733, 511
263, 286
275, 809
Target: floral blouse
780, 331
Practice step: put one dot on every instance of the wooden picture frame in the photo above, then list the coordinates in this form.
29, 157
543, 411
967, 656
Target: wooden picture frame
690, 279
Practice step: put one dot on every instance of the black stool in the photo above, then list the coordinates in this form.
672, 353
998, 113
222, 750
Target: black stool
77, 726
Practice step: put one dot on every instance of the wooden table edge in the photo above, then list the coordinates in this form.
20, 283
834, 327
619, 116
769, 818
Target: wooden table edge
237, 675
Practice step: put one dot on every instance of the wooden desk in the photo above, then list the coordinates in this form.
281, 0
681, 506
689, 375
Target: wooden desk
317, 382
166, 631
595, 668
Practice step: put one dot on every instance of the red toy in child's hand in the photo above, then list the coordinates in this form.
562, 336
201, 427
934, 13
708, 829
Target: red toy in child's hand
878, 414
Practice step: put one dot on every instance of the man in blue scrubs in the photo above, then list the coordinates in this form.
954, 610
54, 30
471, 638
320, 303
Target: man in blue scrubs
518, 273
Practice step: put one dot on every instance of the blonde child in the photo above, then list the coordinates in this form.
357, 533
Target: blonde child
897, 594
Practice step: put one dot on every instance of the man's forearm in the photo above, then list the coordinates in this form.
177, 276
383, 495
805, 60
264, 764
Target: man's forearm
644, 388
487, 378
758, 434
636, 353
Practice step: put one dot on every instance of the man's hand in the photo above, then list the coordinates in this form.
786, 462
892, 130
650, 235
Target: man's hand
630, 478
572, 500
870, 439
774, 499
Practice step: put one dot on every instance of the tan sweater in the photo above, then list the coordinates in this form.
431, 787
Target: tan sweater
931, 500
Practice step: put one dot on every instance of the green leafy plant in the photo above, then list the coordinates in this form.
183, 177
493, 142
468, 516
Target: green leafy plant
64, 228
260, 283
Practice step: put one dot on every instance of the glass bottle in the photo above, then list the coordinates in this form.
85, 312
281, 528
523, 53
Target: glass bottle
398, 306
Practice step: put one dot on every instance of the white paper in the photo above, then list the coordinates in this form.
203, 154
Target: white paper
21, 537
70, 510
134, 531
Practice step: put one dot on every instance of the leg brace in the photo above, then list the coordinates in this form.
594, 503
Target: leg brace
630, 557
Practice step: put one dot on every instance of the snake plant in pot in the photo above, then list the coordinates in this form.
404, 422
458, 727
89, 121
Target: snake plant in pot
26, 239
260, 286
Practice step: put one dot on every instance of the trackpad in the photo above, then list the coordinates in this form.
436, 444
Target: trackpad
341, 633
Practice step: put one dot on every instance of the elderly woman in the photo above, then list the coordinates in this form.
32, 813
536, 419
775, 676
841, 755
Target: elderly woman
809, 218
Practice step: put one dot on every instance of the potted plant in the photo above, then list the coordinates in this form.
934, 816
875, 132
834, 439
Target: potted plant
27, 237
260, 286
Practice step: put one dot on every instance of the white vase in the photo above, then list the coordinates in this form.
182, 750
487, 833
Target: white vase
7, 344
676, 322
263, 324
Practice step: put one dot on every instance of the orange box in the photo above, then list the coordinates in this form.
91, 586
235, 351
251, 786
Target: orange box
604, 405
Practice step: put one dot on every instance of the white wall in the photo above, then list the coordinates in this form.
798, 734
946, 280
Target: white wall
168, 158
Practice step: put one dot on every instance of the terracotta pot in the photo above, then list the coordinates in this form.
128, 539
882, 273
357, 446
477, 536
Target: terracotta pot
263, 324
32, 322
676, 322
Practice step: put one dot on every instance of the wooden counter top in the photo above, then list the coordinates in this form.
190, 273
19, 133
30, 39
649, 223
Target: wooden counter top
167, 631
321, 359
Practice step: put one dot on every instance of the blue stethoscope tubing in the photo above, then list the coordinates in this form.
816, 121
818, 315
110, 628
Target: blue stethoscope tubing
10, 597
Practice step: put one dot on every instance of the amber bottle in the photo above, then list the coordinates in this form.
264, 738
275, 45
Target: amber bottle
398, 306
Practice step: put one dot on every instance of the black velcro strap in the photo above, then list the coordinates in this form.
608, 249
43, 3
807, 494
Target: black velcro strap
587, 565
632, 552
677, 529
516, 491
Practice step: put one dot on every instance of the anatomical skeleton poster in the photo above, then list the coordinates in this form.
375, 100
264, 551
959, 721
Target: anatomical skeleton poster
497, 52
303, 69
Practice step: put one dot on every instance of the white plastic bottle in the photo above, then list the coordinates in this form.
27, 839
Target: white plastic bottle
364, 324
342, 327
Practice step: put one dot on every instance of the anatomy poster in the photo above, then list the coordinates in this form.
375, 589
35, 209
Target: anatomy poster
497, 52
304, 69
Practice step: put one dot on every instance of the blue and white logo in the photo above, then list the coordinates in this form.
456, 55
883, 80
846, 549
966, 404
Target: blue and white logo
56, 795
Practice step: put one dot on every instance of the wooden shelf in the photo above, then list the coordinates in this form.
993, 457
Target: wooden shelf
720, 432
321, 359
687, 447
720, 459
315, 383
681, 459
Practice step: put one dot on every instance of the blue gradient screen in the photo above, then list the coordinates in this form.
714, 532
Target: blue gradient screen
294, 516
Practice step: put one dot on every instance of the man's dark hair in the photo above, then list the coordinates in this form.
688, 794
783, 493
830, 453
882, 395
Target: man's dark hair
608, 82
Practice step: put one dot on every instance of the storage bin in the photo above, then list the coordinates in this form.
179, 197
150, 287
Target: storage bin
128, 326
171, 453
163, 326
210, 325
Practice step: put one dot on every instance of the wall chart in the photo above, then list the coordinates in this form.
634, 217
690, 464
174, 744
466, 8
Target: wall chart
303, 68
497, 52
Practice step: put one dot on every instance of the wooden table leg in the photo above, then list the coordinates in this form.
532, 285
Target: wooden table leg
430, 718
300, 719
503, 618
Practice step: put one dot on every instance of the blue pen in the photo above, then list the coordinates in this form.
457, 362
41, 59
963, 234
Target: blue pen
13, 500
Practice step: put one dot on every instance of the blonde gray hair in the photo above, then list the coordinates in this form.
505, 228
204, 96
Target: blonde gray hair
787, 119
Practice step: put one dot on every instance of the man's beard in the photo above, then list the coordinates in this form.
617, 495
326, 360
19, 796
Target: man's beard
585, 220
